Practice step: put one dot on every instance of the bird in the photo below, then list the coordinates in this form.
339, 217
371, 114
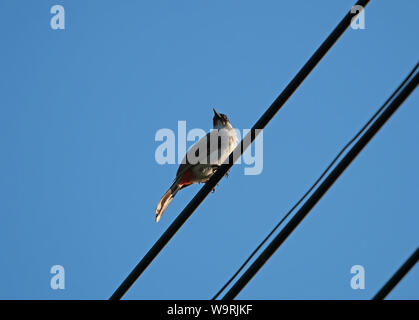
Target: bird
202, 159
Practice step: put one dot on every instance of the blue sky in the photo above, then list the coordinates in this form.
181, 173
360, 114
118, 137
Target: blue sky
79, 109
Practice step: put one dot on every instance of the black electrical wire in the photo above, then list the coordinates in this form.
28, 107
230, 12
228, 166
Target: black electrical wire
398, 276
222, 170
322, 189
315, 183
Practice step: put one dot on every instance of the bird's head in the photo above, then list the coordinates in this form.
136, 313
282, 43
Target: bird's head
220, 121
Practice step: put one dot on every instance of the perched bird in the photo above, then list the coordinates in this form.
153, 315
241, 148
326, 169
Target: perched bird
202, 159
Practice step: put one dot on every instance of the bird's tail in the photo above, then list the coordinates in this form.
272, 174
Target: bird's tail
166, 199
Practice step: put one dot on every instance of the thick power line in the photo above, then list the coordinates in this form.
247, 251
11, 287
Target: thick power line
219, 174
395, 279
323, 188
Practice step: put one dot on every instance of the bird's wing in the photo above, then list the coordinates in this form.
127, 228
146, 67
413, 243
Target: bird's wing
197, 156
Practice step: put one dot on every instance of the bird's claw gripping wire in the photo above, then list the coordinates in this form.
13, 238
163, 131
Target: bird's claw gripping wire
213, 189
226, 174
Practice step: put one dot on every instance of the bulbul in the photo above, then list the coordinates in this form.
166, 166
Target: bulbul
202, 159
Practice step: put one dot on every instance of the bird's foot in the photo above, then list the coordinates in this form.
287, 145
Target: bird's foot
213, 189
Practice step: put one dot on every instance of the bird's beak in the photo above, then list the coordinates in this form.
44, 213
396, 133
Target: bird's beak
216, 113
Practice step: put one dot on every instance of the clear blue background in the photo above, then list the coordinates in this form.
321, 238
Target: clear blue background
79, 109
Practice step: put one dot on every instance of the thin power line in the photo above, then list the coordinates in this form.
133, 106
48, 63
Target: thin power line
314, 184
219, 174
395, 279
322, 189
